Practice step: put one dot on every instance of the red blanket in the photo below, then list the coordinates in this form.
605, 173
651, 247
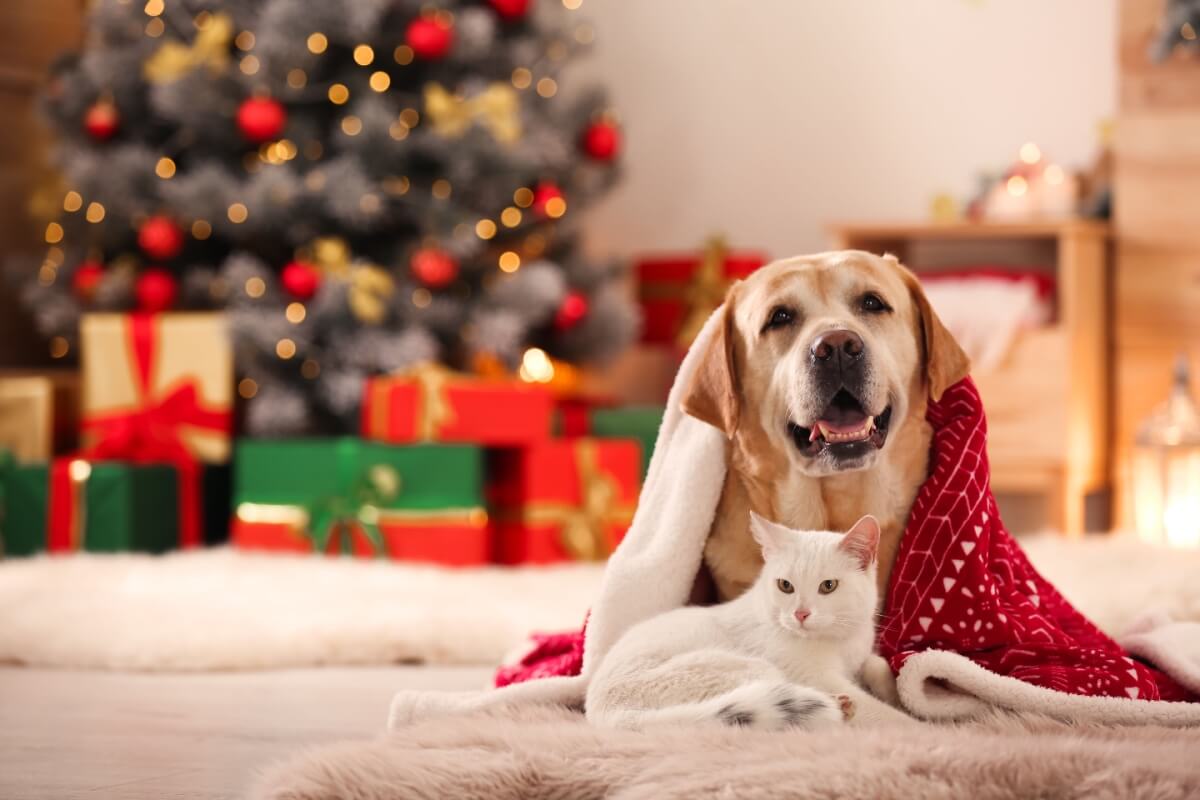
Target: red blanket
960, 583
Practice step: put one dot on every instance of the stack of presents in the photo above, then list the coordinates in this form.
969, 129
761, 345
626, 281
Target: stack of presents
137, 451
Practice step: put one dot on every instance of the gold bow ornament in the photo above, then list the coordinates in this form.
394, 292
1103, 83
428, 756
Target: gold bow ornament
497, 108
210, 49
370, 286
410, 406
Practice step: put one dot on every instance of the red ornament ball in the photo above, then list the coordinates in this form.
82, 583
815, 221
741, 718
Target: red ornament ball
429, 38
160, 238
571, 312
548, 201
261, 119
86, 278
433, 267
601, 141
155, 290
510, 10
300, 279
102, 120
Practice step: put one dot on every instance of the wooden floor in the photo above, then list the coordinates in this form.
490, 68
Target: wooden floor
67, 734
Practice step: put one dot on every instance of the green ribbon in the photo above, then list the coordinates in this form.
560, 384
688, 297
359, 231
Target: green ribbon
358, 507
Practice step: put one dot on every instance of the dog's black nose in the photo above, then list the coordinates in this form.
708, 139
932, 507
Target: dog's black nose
838, 346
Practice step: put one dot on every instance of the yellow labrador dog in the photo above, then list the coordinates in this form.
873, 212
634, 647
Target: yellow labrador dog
820, 375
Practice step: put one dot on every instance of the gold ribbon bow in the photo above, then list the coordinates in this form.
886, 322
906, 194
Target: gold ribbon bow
433, 410
705, 292
210, 49
584, 527
496, 108
370, 285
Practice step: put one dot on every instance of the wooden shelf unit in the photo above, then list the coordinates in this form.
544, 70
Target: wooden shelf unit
1048, 402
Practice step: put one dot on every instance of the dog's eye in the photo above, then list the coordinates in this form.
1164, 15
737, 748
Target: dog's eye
873, 304
828, 586
780, 317
785, 586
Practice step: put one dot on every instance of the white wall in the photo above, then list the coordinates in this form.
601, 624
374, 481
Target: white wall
766, 119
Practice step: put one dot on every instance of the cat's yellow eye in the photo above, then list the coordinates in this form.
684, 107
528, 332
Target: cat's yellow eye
827, 587
785, 586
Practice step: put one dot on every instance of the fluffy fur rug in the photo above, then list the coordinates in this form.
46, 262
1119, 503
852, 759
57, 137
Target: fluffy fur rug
549, 753
222, 609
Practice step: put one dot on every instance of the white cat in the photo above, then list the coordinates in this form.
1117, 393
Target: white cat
789, 652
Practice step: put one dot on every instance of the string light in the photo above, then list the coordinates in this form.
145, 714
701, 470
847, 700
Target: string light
485, 229
511, 217
351, 125
201, 229
535, 245
95, 212
155, 28
238, 213
572, 5
247, 388
47, 274
1187, 31
255, 287
536, 366
403, 55
54, 233
154, 7
297, 78
523, 197
1055, 175
421, 298
398, 131
1030, 153
165, 168
244, 40
338, 94
547, 87
1017, 186
295, 313
441, 189
396, 184
521, 78
363, 55
59, 347
410, 117
73, 201
556, 207
509, 261
380, 81
317, 43
285, 348
249, 65
201, 20
370, 203
310, 369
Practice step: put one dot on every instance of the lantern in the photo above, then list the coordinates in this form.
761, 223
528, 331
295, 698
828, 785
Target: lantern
1166, 469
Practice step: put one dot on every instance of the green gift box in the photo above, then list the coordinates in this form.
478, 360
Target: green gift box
348, 495
623, 422
100, 506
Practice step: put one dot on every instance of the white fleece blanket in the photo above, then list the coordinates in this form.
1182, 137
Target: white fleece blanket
653, 570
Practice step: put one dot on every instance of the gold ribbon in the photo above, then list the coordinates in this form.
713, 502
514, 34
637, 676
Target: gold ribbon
370, 286
583, 528
433, 409
496, 108
209, 49
296, 517
704, 292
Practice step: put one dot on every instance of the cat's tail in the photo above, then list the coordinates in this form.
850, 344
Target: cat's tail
765, 705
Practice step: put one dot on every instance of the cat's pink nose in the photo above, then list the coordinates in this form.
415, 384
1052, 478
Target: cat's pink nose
802, 614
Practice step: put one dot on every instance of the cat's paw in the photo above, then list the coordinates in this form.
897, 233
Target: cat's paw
847, 706
778, 706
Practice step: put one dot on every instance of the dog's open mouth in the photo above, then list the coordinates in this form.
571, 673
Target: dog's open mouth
844, 430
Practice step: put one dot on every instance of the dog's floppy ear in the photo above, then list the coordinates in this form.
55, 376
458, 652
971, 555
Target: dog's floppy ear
945, 362
711, 395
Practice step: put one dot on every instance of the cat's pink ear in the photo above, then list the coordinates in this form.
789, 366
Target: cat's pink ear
862, 541
770, 536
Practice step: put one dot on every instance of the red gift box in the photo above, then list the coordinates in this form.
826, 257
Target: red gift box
563, 500
431, 403
677, 294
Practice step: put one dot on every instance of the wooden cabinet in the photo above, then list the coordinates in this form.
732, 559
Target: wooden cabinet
1156, 225
1048, 401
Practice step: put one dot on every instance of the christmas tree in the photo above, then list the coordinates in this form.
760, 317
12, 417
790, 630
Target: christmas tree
361, 184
